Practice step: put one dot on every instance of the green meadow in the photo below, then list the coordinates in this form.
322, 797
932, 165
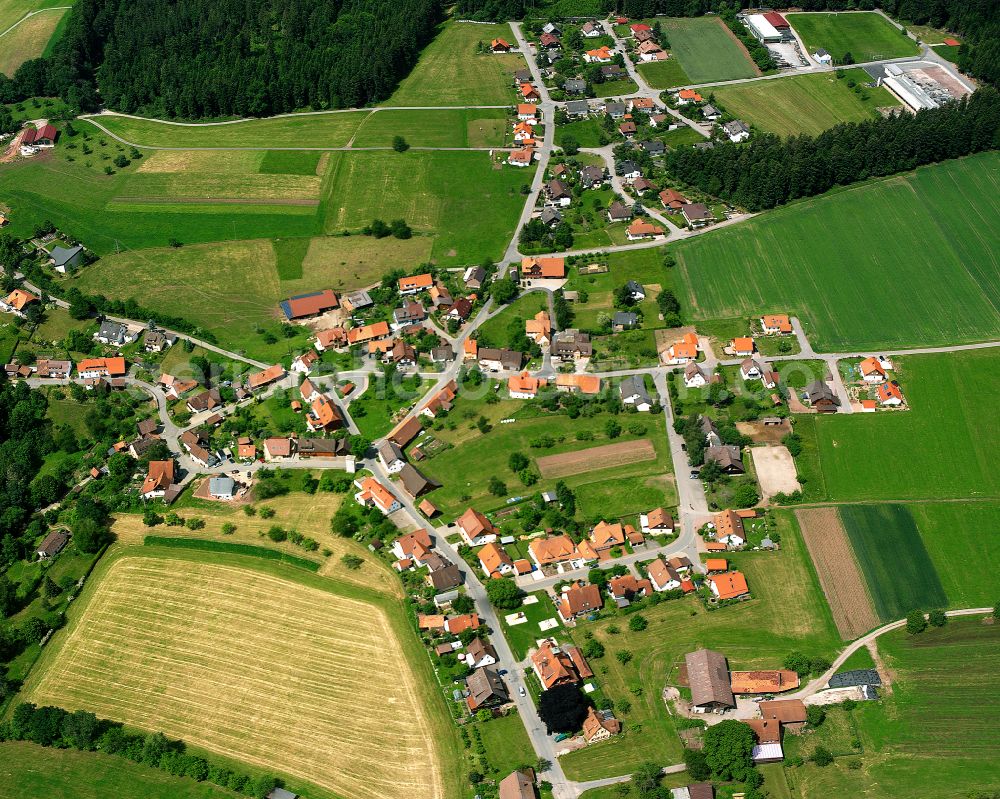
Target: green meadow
458, 127
706, 49
907, 261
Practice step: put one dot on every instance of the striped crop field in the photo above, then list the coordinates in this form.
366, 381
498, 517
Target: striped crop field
893, 559
273, 672
908, 261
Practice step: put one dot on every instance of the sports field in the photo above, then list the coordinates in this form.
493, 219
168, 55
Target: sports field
865, 35
451, 71
932, 736
294, 130
787, 612
803, 103
459, 127
707, 50
28, 40
253, 665
893, 559
908, 261
943, 445
470, 206
30, 770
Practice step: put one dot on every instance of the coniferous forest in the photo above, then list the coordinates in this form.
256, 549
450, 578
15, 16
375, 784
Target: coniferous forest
210, 58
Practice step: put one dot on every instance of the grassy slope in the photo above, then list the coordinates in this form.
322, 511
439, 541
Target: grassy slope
866, 36
483, 127
940, 449
908, 261
470, 206
802, 104
28, 40
788, 612
706, 49
295, 130
29, 770
436, 713
450, 71
664, 74
931, 736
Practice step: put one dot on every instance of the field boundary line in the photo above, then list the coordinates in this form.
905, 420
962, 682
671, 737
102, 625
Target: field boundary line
31, 14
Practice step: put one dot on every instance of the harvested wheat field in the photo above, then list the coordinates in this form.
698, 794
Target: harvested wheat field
838, 571
265, 670
605, 457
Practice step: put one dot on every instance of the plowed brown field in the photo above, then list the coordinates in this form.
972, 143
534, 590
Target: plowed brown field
604, 457
838, 571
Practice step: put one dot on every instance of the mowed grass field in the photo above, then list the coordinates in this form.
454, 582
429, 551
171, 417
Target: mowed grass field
28, 40
940, 449
321, 130
893, 559
866, 35
933, 736
30, 770
459, 127
787, 613
803, 103
259, 665
706, 49
13, 10
451, 71
908, 261
664, 74
469, 206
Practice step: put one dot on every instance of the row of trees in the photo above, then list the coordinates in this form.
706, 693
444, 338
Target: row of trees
208, 58
770, 171
82, 730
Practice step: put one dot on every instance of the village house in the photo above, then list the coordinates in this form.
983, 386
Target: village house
728, 585
372, 492
524, 386
521, 158
663, 576
657, 522
592, 177
683, 351
559, 550
278, 448
440, 402
729, 528
499, 360
889, 394
529, 93
624, 320
442, 575
579, 384
627, 129
640, 229
543, 268
415, 547
495, 561
821, 397
557, 192
474, 277
624, 588
555, 665
476, 530
63, 259
486, 690
742, 347
158, 341
750, 369
304, 362
414, 483
304, 306
685, 96
600, 725
736, 130
479, 654
713, 565
407, 430
410, 313
694, 377
579, 600
246, 450
205, 401
324, 415
629, 170
52, 545
571, 345
159, 477
114, 334
697, 215
708, 678
601, 55
654, 147
673, 200
642, 185
391, 456
591, 30
633, 392
518, 785
360, 335
613, 72
259, 380
871, 371
196, 443
551, 217
414, 284
577, 109
332, 338
91, 368
776, 324
54, 370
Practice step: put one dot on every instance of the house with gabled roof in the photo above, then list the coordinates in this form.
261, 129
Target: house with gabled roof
524, 386
872, 371
579, 600
476, 529
372, 492
889, 394
304, 306
495, 560
658, 522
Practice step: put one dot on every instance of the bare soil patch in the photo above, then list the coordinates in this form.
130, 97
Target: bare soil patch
775, 470
604, 457
765, 434
838, 571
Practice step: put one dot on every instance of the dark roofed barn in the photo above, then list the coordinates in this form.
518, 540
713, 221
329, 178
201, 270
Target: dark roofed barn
708, 677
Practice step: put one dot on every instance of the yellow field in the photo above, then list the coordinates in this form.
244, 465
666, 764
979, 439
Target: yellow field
354, 261
278, 674
28, 40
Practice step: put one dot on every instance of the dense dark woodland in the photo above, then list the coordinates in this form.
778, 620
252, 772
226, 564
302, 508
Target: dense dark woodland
770, 171
208, 58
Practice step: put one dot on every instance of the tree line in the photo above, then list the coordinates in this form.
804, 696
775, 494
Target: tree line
212, 58
770, 171
82, 730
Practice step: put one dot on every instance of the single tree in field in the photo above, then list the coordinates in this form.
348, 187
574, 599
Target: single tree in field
399, 144
915, 622
728, 749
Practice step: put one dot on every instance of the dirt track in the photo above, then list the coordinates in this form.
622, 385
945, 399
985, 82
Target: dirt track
586, 460
838, 571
